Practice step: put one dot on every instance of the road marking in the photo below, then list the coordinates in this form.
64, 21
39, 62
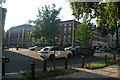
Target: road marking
11, 73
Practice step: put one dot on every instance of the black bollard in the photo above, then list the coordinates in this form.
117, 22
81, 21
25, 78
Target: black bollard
44, 65
66, 63
54, 64
3, 68
4, 60
33, 70
114, 56
3, 65
105, 59
82, 62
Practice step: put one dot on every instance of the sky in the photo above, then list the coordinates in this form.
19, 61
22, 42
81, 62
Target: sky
20, 11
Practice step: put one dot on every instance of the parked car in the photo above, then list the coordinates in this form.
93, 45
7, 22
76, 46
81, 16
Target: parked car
48, 52
114, 48
85, 51
74, 50
68, 48
79, 51
105, 49
118, 50
98, 47
35, 48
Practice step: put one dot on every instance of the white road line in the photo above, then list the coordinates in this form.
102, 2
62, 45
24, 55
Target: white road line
11, 73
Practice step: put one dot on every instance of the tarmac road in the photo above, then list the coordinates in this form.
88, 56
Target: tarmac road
20, 60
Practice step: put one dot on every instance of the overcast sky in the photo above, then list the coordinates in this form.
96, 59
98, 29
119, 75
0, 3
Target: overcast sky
20, 11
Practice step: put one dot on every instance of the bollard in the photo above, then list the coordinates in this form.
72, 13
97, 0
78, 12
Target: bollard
105, 59
82, 62
54, 64
3, 68
4, 60
66, 63
33, 70
114, 56
44, 65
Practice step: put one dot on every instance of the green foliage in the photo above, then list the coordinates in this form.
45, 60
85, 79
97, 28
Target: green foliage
106, 14
84, 33
47, 24
26, 74
101, 64
52, 73
110, 62
94, 65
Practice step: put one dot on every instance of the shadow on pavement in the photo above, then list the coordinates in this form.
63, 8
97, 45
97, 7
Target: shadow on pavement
19, 62
87, 76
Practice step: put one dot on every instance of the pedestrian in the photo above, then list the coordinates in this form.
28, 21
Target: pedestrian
17, 47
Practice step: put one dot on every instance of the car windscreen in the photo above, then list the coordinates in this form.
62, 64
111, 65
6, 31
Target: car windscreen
45, 49
56, 49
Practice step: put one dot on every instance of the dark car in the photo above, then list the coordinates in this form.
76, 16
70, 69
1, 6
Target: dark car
74, 50
118, 50
85, 52
82, 51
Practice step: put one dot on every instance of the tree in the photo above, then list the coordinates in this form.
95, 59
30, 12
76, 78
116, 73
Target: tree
84, 33
106, 14
47, 25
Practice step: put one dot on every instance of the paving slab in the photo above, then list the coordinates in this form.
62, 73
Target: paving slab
13, 76
107, 72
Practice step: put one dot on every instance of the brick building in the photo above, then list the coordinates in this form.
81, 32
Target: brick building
67, 33
18, 35
99, 40
112, 39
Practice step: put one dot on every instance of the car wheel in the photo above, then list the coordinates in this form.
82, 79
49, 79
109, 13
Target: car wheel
69, 55
73, 52
92, 54
32, 49
79, 55
52, 57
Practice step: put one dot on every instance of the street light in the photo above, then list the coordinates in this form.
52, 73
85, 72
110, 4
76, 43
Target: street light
117, 27
119, 16
73, 32
2, 18
118, 32
1, 2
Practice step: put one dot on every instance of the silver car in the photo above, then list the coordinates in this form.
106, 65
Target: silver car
35, 48
48, 52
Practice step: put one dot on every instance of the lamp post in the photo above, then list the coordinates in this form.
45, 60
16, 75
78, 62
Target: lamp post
117, 33
119, 17
2, 19
55, 41
117, 27
0, 42
73, 32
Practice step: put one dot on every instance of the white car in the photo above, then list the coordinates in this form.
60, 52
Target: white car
35, 48
48, 52
68, 48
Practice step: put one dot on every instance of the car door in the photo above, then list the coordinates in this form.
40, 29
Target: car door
56, 52
62, 52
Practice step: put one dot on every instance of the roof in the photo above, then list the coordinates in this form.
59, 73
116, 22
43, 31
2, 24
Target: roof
23, 25
69, 21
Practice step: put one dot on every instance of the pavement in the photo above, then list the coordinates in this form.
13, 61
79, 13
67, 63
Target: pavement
106, 72
111, 71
